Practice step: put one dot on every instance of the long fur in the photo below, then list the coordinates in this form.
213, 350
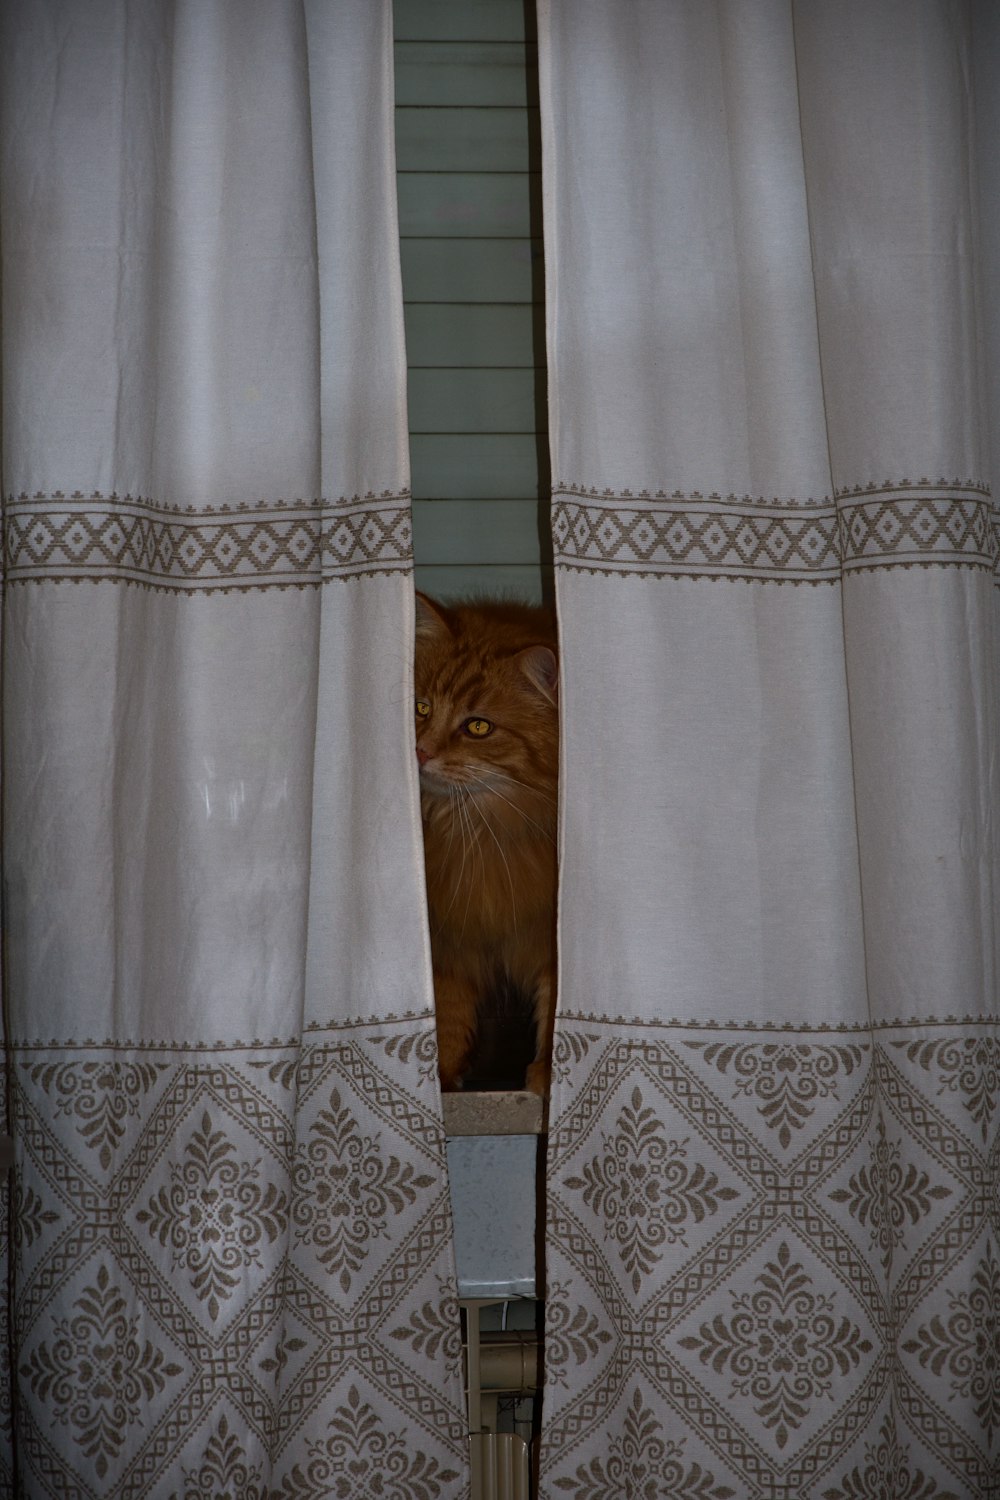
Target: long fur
489, 814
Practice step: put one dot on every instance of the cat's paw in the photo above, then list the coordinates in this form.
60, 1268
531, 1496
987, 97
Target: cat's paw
537, 1079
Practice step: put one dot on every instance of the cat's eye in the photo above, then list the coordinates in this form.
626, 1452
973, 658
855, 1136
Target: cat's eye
423, 708
478, 728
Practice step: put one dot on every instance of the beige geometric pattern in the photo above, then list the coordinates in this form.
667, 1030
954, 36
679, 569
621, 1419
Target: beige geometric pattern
902, 525
773, 1263
713, 536
265, 544
231, 1264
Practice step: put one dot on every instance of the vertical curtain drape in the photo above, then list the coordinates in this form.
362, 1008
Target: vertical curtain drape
232, 1258
773, 1222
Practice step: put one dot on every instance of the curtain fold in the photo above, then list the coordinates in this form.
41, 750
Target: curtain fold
772, 1228
233, 1269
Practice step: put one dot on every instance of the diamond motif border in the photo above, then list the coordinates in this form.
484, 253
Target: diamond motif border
643, 534
270, 544
776, 1328
247, 1251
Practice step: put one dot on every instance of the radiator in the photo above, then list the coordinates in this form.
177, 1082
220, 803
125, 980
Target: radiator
495, 1363
500, 1468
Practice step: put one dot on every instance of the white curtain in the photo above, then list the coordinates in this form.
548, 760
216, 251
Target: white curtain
233, 1270
773, 1212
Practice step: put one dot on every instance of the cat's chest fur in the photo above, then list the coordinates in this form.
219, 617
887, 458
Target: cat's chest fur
504, 882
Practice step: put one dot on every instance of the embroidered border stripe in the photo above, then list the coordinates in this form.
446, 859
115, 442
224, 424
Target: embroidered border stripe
693, 536
270, 544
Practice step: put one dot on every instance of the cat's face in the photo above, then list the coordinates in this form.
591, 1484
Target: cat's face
486, 718
473, 729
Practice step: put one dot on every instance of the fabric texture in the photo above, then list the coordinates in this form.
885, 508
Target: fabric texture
233, 1260
773, 1264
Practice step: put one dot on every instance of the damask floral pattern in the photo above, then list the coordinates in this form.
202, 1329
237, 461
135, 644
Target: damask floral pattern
346, 1189
645, 1188
199, 1283
769, 1330
782, 1345
854, 1273
99, 1374
434, 1329
99, 1095
31, 1216
887, 1471
785, 1080
277, 1363
963, 1347
643, 1464
569, 1050
417, 1049
967, 1066
216, 1216
360, 1457
571, 1333
886, 1197
225, 1473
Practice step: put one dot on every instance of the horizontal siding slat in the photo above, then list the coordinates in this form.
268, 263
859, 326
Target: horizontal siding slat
439, 333
469, 466
462, 140
531, 584
458, 204
471, 73
484, 271
476, 531
463, 20
472, 278
474, 401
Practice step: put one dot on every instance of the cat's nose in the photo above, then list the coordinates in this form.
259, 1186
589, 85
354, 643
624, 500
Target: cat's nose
423, 756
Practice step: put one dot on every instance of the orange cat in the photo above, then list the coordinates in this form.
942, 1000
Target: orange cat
488, 746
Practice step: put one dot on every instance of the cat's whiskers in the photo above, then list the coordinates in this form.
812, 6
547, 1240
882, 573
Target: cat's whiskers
450, 805
473, 835
490, 787
489, 828
535, 791
451, 824
455, 799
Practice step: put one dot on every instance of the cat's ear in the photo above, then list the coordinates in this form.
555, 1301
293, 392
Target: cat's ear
541, 667
432, 622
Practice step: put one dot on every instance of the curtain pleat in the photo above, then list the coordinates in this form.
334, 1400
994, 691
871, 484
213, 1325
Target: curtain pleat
232, 1257
772, 1253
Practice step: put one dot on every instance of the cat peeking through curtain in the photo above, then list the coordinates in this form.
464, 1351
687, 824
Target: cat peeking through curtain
487, 723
